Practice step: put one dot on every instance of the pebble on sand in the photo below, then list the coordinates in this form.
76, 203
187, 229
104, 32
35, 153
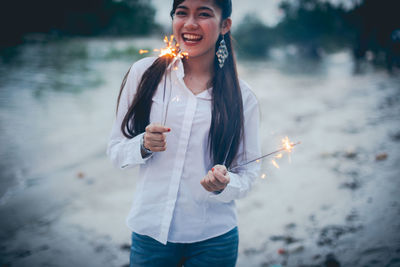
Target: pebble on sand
381, 156
281, 251
350, 153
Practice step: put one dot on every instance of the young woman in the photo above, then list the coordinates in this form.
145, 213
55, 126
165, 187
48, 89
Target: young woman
183, 211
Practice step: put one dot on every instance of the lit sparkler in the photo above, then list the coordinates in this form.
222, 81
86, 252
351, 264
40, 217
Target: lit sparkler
171, 50
286, 146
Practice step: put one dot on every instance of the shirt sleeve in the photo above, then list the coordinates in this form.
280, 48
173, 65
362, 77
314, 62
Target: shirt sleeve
124, 152
242, 179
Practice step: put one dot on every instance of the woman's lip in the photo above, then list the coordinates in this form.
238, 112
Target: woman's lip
195, 37
194, 34
188, 42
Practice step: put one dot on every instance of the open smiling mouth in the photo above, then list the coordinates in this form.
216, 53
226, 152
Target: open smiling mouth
191, 38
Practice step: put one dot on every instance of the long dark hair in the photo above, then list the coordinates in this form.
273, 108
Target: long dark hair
226, 129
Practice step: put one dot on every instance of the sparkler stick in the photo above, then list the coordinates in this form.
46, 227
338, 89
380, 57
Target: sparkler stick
169, 97
171, 51
226, 156
163, 116
287, 147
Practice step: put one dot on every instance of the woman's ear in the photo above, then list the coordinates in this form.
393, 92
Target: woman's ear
226, 26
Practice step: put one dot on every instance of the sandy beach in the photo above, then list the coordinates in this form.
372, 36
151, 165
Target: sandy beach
336, 202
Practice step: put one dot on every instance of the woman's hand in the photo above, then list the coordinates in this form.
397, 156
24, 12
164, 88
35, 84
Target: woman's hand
154, 138
216, 179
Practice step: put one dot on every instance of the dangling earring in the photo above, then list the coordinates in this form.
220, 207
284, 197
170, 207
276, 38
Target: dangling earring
222, 53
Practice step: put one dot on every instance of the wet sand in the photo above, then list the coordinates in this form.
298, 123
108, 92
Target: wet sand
338, 199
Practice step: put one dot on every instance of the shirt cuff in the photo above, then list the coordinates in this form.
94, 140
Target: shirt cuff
230, 192
134, 153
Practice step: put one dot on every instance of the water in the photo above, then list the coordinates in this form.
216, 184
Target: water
60, 198
54, 102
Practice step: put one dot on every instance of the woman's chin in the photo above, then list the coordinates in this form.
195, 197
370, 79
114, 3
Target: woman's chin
189, 47
191, 52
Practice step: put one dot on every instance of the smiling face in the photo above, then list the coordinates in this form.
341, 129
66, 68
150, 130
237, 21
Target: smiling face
197, 26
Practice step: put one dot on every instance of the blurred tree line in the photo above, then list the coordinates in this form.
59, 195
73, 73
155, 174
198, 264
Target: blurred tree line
370, 27
74, 17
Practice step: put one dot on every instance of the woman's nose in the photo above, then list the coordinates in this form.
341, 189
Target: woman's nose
191, 23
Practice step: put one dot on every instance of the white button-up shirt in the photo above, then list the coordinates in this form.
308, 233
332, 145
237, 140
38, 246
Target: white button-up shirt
170, 204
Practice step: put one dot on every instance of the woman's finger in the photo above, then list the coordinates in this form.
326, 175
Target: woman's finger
158, 148
224, 179
205, 185
221, 168
214, 181
155, 136
156, 143
157, 128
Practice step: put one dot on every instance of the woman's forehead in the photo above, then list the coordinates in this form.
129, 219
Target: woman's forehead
196, 3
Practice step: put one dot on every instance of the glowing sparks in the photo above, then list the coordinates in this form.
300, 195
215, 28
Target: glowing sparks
287, 145
143, 51
263, 176
275, 164
171, 49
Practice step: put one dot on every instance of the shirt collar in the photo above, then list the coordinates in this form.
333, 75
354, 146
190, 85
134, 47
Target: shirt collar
206, 95
177, 66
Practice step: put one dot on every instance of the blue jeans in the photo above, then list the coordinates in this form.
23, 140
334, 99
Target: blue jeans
217, 251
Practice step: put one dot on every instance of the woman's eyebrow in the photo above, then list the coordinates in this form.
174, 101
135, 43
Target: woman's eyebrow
205, 8
184, 7
200, 8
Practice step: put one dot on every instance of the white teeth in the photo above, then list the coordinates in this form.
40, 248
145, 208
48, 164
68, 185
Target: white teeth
192, 37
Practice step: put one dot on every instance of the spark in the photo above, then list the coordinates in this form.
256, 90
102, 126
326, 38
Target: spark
275, 164
286, 146
171, 49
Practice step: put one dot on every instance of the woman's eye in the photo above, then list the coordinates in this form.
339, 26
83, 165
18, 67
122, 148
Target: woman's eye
180, 13
205, 15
